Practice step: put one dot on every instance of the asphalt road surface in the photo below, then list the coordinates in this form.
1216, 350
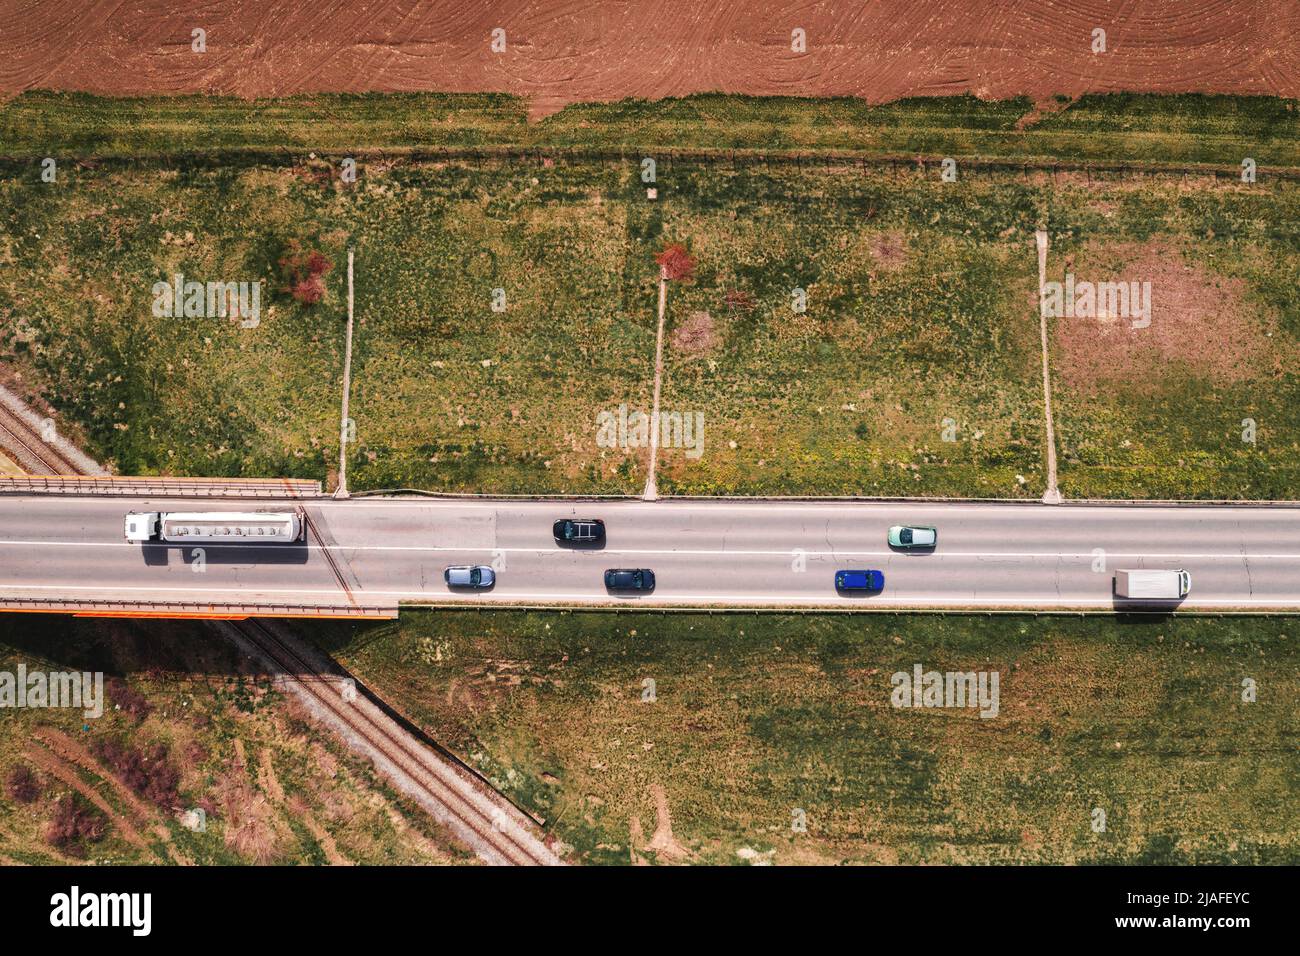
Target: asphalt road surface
392, 551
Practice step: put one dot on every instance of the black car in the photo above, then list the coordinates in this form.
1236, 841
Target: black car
579, 531
630, 579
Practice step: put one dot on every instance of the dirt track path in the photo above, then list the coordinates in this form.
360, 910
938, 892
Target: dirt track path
76, 753
55, 767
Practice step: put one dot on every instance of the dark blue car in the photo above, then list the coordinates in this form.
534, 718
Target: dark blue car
630, 579
859, 581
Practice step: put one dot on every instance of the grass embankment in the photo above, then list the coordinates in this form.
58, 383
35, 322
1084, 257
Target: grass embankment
757, 717
184, 730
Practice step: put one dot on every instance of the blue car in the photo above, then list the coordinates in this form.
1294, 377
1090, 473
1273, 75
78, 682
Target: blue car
859, 581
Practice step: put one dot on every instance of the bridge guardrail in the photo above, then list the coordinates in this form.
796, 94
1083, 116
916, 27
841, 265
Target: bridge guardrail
193, 609
166, 487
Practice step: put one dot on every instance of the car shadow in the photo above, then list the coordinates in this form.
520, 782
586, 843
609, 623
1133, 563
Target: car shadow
1146, 610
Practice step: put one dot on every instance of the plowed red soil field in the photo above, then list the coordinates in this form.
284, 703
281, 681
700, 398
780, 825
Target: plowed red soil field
563, 51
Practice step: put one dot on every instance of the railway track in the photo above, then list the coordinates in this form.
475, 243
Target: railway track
497, 831
29, 450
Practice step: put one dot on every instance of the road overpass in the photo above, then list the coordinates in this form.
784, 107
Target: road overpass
368, 556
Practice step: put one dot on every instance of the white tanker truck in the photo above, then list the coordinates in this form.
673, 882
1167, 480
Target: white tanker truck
216, 527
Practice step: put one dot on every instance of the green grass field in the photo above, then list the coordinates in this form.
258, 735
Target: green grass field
912, 371
452, 394
913, 363
1161, 412
757, 717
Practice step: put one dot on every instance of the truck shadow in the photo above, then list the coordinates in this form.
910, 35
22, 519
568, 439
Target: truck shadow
160, 555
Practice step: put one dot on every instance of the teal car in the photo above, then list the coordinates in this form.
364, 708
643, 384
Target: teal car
908, 538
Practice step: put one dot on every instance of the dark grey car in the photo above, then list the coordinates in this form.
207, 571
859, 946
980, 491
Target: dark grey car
579, 531
630, 579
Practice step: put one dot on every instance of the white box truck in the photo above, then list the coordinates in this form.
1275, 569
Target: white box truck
1144, 585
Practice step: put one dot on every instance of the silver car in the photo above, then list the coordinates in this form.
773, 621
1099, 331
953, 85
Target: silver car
470, 576
902, 536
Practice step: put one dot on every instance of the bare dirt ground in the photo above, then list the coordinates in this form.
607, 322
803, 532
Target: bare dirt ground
695, 336
564, 51
1200, 324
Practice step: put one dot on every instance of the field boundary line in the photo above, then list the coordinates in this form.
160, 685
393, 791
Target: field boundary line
736, 157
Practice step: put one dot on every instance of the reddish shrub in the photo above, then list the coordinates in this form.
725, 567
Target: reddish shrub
304, 273
74, 823
22, 784
737, 300
146, 771
318, 264
309, 291
675, 262
129, 699
209, 807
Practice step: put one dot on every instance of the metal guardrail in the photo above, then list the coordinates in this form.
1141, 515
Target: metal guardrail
281, 488
161, 487
811, 610
837, 499
195, 609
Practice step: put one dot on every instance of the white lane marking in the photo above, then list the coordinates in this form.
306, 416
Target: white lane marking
785, 553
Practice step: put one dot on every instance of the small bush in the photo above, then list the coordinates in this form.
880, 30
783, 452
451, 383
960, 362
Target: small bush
147, 770
303, 274
128, 699
675, 262
74, 824
738, 300
22, 784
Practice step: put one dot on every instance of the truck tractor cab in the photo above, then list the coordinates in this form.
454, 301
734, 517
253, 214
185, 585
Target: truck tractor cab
141, 526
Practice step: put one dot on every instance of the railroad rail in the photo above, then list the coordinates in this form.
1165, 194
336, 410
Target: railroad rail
23, 432
497, 831
29, 450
